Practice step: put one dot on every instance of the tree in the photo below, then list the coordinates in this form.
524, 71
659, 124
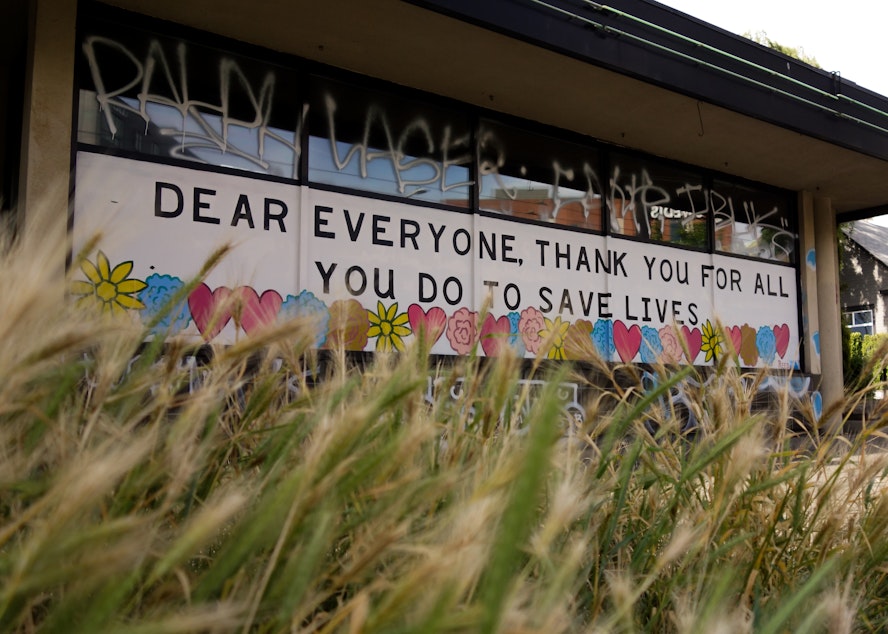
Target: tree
760, 37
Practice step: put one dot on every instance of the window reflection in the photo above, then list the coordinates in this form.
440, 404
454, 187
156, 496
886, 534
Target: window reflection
371, 141
530, 176
657, 202
752, 222
169, 98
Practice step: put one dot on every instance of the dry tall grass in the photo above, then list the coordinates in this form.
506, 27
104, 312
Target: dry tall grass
134, 498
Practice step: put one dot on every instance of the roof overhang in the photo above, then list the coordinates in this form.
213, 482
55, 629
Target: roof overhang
636, 74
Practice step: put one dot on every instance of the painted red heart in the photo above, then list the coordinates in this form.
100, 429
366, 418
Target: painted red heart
257, 311
430, 322
781, 336
495, 334
693, 340
210, 310
735, 336
626, 340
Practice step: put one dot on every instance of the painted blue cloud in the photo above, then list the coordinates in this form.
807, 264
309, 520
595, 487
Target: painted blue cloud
306, 306
766, 343
157, 296
651, 347
515, 339
603, 338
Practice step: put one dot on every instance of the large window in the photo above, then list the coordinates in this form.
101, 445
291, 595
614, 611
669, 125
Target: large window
530, 176
384, 143
752, 221
657, 201
170, 98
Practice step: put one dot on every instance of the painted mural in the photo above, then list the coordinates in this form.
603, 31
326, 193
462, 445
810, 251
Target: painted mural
371, 274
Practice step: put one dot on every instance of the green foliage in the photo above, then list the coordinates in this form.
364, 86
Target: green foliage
135, 499
867, 358
760, 37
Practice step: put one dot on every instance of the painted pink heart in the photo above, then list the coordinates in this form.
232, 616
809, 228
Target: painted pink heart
626, 340
781, 336
694, 340
495, 335
430, 322
210, 310
735, 335
256, 311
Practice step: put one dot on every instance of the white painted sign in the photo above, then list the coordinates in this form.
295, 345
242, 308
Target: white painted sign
372, 274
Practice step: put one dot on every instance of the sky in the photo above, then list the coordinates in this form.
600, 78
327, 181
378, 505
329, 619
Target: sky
846, 36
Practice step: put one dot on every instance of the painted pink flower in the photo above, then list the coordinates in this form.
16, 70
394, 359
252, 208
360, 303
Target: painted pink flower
530, 325
672, 351
462, 330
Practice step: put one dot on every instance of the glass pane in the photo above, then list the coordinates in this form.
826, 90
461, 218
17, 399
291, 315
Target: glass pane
531, 176
658, 202
372, 141
170, 98
753, 222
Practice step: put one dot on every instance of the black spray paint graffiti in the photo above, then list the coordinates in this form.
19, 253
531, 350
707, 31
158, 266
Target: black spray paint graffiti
205, 125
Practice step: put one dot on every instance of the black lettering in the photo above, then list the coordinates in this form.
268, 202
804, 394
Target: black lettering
650, 264
437, 235
199, 204
759, 286
158, 200
468, 246
604, 306
325, 275
242, 211
412, 235
586, 305
602, 263
692, 309
506, 248
543, 244
348, 280
511, 288
566, 304
448, 283
353, 230
617, 263
423, 296
678, 276
390, 293
485, 246
583, 260
322, 222
379, 231
545, 296
268, 216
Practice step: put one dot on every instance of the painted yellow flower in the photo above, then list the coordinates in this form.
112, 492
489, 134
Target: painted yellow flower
553, 336
388, 327
108, 290
713, 339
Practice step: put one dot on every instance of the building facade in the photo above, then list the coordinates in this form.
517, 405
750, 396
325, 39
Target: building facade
565, 178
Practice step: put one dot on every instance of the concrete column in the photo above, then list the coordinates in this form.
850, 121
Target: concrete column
45, 180
832, 382
808, 278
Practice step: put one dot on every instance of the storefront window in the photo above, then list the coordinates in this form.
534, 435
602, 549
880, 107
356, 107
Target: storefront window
530, 176
378, 142
657, 202
752, 222
170, 98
